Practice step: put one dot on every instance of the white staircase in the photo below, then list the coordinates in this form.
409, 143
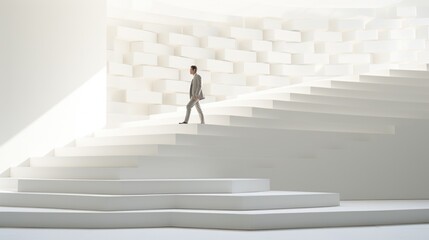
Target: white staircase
339, 133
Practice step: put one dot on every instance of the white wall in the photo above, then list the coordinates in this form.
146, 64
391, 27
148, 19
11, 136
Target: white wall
52, 74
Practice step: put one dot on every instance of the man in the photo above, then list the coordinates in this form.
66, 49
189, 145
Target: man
195, 95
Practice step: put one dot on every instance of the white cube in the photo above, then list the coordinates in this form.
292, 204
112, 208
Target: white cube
334, 47
202, 30
154, 48
120, 69
139, 96
292, 69
274, 57
338, 69
140, 58
195, 52
177, 39
236, 55
306, 24
310, 58
360, 35
176, 62
155, 72
218, 42
302, 47
282, 35
347, 24
131, 34
354, 58
256, 45
322, 36
228, 78
215, 65
249, 68
243, 33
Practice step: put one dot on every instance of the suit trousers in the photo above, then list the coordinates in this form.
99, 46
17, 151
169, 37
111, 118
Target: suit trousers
191, 103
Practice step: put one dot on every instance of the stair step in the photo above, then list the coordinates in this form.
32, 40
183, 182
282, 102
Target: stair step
213, 201
348, 214
397, 80
140, 186
397, 96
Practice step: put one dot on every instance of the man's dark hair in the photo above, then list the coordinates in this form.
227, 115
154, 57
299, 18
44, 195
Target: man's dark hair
193, 67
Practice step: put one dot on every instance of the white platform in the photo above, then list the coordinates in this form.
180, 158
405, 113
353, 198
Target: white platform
354, 213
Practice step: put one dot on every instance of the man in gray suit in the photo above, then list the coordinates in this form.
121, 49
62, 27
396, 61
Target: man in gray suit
195, 95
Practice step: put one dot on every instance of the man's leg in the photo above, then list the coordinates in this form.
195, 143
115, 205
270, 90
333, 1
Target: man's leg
188, 109
200, 112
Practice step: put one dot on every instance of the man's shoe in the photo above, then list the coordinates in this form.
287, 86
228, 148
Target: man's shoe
183, 123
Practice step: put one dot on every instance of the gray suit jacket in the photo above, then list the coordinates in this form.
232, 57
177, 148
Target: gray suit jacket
196, 87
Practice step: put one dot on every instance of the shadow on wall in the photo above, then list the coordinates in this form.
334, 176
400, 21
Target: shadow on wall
53, 54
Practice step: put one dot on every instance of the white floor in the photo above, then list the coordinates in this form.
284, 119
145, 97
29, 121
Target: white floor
398, 232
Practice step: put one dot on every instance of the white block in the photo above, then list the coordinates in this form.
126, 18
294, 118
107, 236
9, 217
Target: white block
155, 109
422, 32
154, 48
404, 56
268, 81
176, 62
347, 24
243, 33
201, 30
127, 108
227, 90
256, 45
115, 57
156, 72
274, 57
228, 78
160, 28
128, 83
415, 22
175, 99
218, 42
360, 35
379, 23
338, 69
291, 69
406, 11
248, 68
282, 35
215, 65
115, 94
306, 24
131, 34
310, 58
147, 97
334, 47
322, 36
355, 58
194, 52
405, 33
264, 23
120, 69
177, 39
361, 68
170, 86
121, 46
302, 47
236, 55
139, 58
423, 56
413, 44
378, 46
